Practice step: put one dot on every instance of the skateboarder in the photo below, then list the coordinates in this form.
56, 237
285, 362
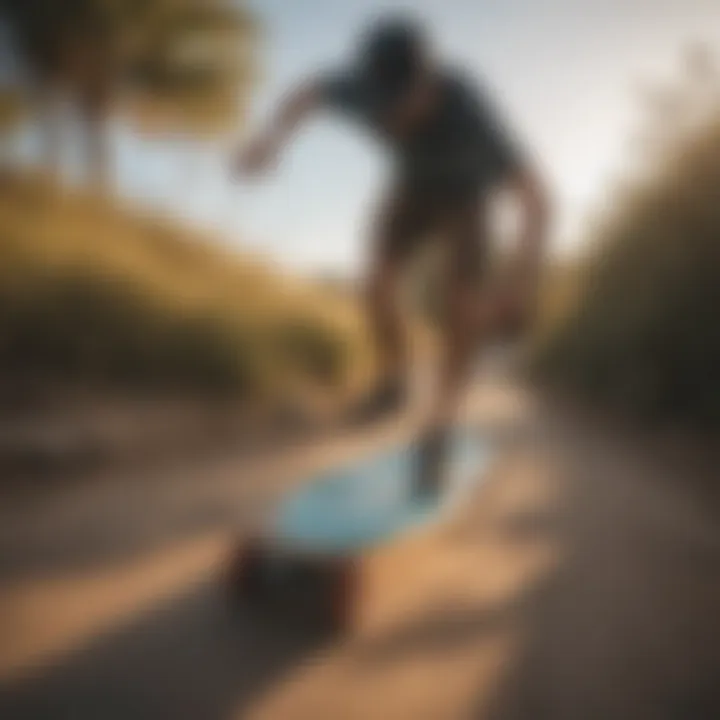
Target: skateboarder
450, 150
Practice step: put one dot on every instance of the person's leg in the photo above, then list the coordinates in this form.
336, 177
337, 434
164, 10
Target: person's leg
385, 318
396, 230
462, 335
464, 307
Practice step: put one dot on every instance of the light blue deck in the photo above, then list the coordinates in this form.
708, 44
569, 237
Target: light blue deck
363, 504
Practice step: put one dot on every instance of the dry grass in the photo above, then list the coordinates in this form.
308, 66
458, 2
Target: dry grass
92, 293
643, 332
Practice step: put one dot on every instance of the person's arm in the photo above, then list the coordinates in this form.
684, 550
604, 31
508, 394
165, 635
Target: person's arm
509, 169
534, 203
521, 284
263, 150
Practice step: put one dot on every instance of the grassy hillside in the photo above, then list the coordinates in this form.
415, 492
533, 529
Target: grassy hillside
93, 294
639, 327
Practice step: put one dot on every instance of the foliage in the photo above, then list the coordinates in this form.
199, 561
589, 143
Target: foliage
95, 295
170, 65
643, 333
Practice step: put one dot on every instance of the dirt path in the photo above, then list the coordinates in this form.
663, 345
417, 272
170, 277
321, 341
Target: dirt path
580, 585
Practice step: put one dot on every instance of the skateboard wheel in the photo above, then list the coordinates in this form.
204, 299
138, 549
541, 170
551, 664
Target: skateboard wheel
244, 579
345, 587
293, 589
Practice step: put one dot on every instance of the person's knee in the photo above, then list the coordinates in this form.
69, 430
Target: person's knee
468, 258
463, 303
381, 289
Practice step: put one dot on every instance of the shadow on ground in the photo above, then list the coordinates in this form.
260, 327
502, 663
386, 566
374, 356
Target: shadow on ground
627, 627
193, 658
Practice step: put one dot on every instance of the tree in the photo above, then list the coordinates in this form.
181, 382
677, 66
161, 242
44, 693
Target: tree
168, 65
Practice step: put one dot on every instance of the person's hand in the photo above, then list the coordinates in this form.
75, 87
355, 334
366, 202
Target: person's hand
256, 158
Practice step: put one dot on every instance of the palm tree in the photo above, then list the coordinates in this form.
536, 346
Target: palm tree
167, 65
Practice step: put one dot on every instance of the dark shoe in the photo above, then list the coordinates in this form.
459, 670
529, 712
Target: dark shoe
386, 399
432, 455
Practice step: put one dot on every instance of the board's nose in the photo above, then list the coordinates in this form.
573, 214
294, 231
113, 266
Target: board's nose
367, 502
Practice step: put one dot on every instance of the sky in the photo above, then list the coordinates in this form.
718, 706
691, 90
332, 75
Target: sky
566, 73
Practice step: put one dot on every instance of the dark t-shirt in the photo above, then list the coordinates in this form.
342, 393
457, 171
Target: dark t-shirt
462, 146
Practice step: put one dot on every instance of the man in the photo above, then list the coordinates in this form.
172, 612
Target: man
450, 152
